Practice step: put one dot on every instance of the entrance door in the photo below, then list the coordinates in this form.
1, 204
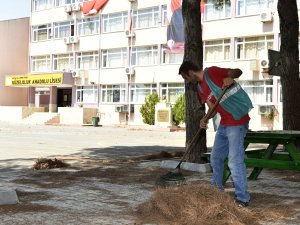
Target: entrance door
64, 97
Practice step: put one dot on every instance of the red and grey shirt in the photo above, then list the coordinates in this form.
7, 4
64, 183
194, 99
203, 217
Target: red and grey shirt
217, 75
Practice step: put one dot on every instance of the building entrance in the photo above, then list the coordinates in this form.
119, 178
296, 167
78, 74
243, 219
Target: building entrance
64, 97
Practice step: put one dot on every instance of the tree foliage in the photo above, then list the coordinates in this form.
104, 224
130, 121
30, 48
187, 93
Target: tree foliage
148, 109
178, 110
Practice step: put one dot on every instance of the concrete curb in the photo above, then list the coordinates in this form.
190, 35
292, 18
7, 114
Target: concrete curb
8, 197
171, 164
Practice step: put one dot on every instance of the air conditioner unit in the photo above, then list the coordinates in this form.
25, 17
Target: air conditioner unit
118, 108
67, 40
129, 70
132, 0
75, 74
125, 108
266, 17
264, 109
129, 33
73, 39
68, 8
67, 70
75, 7
264, 63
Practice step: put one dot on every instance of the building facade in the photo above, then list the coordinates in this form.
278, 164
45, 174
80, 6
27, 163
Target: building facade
112, 57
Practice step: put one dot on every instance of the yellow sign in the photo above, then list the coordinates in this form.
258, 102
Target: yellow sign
163, 116
34, 80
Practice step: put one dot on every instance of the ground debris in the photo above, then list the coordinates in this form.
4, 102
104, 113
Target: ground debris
43, 164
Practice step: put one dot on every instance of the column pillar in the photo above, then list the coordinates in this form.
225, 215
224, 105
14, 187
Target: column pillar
53, 99
31, 97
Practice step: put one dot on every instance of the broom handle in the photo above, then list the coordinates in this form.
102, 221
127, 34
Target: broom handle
206, 118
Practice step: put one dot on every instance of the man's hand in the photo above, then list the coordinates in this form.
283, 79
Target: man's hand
203, 124
227, 82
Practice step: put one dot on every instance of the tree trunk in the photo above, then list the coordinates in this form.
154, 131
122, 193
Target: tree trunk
193, 51
289, 50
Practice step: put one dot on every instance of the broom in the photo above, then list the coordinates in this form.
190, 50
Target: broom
176, 176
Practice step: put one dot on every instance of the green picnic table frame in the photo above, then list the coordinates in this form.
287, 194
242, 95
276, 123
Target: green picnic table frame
270, 157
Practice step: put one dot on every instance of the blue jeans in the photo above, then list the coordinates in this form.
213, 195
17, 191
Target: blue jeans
229, 142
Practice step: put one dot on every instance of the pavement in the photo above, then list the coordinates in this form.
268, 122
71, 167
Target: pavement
104, 183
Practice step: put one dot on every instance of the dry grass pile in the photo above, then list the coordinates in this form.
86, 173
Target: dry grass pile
43, 164
193, 205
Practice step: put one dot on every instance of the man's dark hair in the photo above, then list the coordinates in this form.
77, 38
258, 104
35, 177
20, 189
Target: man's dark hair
188, 65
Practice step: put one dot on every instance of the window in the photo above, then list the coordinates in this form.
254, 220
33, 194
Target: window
253, 47
64, 2
40, 63
145, 18
144, 55
218, 50
164, 15
41, 4
171, 91
115, 22
214, 12
63, 61
113, 93
138, 92
114, 58
63, 29
260, 92
169, 57
87, 94
88, 26
248, 7
41, 32
87, 60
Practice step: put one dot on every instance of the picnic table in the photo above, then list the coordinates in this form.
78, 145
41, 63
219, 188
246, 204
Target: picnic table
280, 152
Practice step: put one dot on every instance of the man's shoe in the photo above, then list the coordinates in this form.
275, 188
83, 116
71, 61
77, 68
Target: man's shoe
241, 204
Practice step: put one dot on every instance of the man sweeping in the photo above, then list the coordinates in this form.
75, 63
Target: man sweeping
233, 109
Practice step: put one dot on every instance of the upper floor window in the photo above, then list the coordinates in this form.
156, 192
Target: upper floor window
164, 15
114, 58
113, 93
170, 57
218, 50
40, 63
64, 29
144, 18
138, 92
144, 55
171, 91
41, 4
63, 62
115, 22
87, 60
88, 26
253, 47
248, 7
65, 2
214, 11
260, 92
41, 32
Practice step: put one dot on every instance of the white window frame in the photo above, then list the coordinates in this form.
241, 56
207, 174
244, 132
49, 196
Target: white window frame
140, 14
164, 15
252, 7
112, 58
150, 54
258, 44
260, 92
63, 29
87, 94
90, 58
41, 5
41, 63
138, 92
65, 2
222, 46
115, 22
212, 12
113, 93
169, 57
63, 62
88, 26
167, 91
43, 30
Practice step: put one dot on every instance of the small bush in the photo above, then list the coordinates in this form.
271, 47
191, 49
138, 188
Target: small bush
148, 109
178, 110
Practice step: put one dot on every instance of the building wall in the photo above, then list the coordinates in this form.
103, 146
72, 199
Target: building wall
14, 45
